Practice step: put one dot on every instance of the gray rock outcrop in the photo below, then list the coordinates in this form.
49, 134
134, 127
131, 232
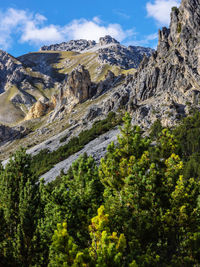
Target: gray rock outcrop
40, 108
11, 133
78, 85
107, 40
77, 88
73, 45
168, 81
106, 84
124, 57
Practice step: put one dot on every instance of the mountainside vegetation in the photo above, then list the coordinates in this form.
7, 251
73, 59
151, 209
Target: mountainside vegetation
45, 160
139, 207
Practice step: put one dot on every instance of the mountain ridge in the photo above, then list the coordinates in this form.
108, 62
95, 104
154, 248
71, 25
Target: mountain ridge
165, 86
130, 56
109, 169
41, 74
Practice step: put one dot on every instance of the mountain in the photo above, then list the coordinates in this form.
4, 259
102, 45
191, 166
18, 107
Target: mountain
109, 51
167, 85
26, 79
83, 88
135, 202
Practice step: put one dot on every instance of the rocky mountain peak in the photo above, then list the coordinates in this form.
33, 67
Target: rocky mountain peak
73, 45
190, 9
170, 79
80, 45
184, 31
107, 40
185, 20
108, 50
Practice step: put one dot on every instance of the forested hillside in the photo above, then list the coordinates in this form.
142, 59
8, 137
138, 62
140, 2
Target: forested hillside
139, 207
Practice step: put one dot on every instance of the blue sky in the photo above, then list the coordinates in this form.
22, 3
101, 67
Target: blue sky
26, 25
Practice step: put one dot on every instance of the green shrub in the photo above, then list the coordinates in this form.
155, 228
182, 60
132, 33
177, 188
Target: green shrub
45, 160
156, 129
175, 9
179, 27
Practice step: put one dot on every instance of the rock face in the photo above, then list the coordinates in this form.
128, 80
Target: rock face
13, 73
10, 134
106, 84
124, 57
77, 88
167, 82
78, 85
39, 109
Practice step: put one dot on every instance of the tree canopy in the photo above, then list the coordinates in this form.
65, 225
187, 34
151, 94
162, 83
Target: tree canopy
139, 207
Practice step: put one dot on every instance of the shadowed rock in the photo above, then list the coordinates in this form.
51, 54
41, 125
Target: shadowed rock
10, 134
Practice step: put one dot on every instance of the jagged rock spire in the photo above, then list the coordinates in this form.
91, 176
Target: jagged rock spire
170, 78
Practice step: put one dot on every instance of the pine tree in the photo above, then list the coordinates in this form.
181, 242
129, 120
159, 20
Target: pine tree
63, 250
115, 166
106, 249
4, 254
180, 223
19, 199
75, 200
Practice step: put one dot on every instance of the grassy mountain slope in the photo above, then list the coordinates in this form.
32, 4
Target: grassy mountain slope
42, 67
59, 63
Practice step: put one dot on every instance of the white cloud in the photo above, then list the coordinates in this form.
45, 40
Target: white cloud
146, 41
93, 30
16, 21
37, 35
160, 10
151, 37
33, 28
8, 21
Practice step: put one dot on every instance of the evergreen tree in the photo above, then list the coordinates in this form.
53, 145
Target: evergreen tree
4, 252
149, 191
181, 223
137, 203
78, 197
106, 249
63, 250
75, 200
115, 166
19, 199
